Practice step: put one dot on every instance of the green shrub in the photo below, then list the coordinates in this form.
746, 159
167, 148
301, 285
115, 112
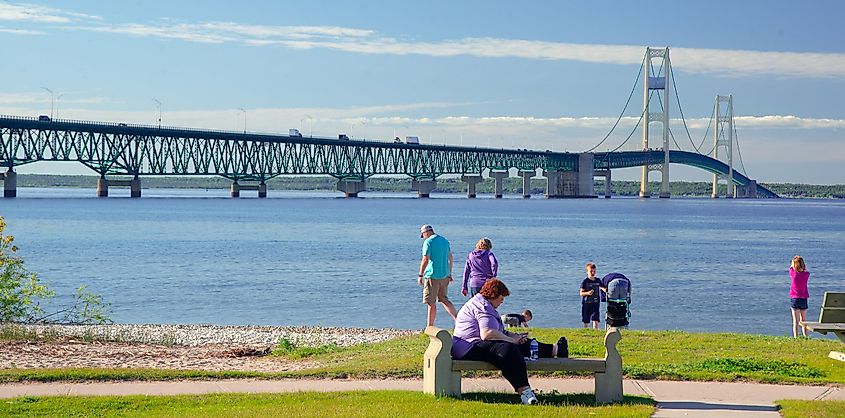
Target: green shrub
21, 293
288, 349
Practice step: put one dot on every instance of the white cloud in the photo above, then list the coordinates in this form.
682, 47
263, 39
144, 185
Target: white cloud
788, 121
44, 97
21, 31
366, 41
25, 12
363, 41
295, 32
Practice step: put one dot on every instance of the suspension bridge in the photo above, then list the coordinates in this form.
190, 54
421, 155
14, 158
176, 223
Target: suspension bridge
124, 153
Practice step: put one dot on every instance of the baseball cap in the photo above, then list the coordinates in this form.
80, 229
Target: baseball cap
425, 228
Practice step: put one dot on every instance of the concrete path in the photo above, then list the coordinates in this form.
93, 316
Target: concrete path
675, 399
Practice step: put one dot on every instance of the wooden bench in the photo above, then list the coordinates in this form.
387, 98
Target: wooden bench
442, 375
831, 319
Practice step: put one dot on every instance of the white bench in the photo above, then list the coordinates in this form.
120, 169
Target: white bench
831, 319
442, 375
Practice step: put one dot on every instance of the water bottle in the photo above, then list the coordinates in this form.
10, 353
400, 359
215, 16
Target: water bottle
535, 349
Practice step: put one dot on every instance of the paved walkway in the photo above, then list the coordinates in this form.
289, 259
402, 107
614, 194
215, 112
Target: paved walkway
675, 399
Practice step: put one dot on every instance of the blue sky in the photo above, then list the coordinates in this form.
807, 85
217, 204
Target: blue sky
538, 75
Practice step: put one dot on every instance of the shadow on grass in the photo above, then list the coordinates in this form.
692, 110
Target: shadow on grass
552, 399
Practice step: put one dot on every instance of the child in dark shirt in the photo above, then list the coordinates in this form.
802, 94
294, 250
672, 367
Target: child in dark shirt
517, 320
590, 294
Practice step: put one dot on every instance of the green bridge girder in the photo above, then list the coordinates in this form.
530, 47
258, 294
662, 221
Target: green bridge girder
137, 150
120, 149
627, 159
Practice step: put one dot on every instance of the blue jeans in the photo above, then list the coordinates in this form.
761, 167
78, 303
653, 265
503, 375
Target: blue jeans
473, 291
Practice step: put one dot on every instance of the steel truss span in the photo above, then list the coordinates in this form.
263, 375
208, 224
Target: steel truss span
137, 150
121, 149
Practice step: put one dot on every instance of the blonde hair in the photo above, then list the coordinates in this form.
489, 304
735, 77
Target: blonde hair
484, 244
589, 266
798, 263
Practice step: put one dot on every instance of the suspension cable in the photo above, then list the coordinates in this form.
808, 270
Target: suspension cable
739, 151
633, 88
683, 119
630, 134
709, 124
673, 139
712, 150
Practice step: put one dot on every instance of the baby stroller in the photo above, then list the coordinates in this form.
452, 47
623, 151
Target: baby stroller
618, 297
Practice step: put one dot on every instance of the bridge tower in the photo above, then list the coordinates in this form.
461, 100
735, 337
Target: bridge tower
724, 123
651, 84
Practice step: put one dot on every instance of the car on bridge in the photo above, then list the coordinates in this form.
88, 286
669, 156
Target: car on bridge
343, 137
44, 118
294, 133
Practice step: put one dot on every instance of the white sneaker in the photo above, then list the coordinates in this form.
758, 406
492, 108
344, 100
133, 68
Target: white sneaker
527, 397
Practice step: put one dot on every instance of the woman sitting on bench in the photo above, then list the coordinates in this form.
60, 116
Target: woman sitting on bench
480, 335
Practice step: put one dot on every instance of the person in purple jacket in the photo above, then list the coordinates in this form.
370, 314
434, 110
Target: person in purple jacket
481, 266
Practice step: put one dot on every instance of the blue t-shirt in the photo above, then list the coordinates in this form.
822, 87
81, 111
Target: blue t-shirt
437, 249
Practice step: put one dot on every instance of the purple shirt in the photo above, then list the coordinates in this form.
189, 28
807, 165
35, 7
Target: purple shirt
799, 284
480, 266
476, 313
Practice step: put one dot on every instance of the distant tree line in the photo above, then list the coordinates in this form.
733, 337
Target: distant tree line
511, 185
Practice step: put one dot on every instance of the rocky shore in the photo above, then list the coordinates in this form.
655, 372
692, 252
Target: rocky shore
177, 346
234, 335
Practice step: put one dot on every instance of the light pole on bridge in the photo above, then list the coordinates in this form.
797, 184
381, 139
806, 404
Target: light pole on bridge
59, 97
243, 110
52, 100
310, 125
158, 108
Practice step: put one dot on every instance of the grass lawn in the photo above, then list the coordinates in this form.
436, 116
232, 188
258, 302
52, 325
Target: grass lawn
672, 355
811, 409
363, 403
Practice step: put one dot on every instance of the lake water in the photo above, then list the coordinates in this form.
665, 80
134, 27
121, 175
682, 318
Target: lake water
310, 258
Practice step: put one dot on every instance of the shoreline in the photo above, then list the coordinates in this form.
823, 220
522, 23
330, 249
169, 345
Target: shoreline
193, 335
204, 348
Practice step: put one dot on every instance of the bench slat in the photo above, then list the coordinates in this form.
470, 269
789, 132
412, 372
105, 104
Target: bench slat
544, 364
825, 326
832, 315
834, 300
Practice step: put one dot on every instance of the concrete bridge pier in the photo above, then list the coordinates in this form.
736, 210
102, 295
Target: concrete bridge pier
471, 181
423, 187
351, 188
578, 183
561, 184
103, 185
499, 176
135, 187
236, 189
607, 181
10, 183
749, 191
526, 183
584, 176
552, 183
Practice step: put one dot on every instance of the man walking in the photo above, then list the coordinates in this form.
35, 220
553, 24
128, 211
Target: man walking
435, 272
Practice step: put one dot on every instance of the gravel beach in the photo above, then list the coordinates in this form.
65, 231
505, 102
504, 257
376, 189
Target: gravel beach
176, 346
